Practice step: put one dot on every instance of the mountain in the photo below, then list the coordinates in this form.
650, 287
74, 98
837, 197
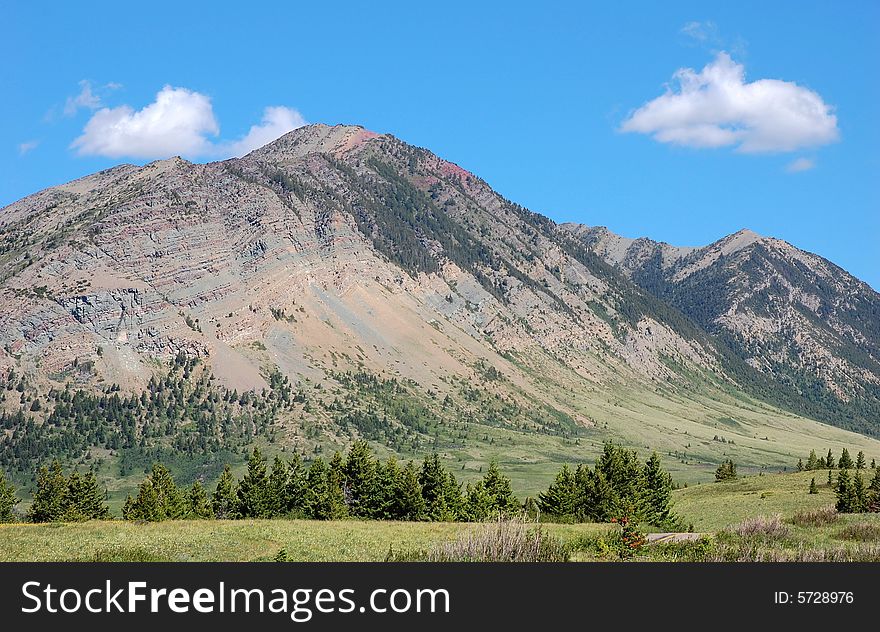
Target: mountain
339, 283
806, 325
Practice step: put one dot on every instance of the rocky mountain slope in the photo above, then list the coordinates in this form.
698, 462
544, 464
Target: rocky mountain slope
807, 326
353, 285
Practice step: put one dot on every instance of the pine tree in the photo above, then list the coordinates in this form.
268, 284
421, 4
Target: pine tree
253, 490
8, 500
873, 464
434, 480
199, 504
296, 486
50, 496
323, 498
813, 488
829, 460
656, 502
359, 476
478, 504
172, 503
498, 487
861, 464
812, 461
845, 462
844, 491
409, 492
224, 500
874, 493
146, 505
859, 494
85, 500
560, 498
726, 471
279, 478
386, 503
800, 465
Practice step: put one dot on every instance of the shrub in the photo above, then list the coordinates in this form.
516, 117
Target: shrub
761, 528
816, 517
860, 532
505, 540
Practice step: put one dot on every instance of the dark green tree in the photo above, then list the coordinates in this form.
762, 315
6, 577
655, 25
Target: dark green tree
498, 487
813, 488
8, 500
359, 480
829, 460
656, 501
409, 493
435, 483
561, 497
296, 487
726, 471
812, 461
845, 462
859, 494
85, 499
800, 465
172, 502
146, 506
199, 503
224, 500
279, 479
478, 504
50, 496
254, 496
861, 463
323, 498
844, 490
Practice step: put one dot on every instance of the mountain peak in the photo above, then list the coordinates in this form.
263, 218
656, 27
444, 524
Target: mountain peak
316, 138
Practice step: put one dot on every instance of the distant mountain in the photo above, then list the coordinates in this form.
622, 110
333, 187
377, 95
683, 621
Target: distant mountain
807, 325
340, 283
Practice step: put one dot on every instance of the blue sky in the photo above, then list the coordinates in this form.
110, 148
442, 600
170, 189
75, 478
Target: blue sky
571, 109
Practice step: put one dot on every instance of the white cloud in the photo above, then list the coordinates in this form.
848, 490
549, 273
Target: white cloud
717, 108
801, 164
178, 122
277, 121
86, 99
27, 147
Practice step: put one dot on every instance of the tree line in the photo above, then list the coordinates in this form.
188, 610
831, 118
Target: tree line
360, 485
853, 496
828, 462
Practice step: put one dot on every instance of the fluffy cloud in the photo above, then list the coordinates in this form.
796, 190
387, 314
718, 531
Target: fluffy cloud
178, 122
716, 108
86, 99
801, 164
277, 121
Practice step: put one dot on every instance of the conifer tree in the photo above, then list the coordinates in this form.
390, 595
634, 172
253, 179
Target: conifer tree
813, 488
498, 487
656, 501
386, 503
829, 460
172, 503
830, 479
560, 498
146, 505
859, 494
50, 495
8, 500
296, 487
253, 490
800, 465
874, 493
845, 462
359, 476
323, 498
861, 464
726, 471
279, 478
478, 504
844, 491
85, 499
224, 500
199, 504
412, 503
433, 480
812, 461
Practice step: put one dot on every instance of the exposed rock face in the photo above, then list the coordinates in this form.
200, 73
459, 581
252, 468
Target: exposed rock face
335, 247
808, 326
